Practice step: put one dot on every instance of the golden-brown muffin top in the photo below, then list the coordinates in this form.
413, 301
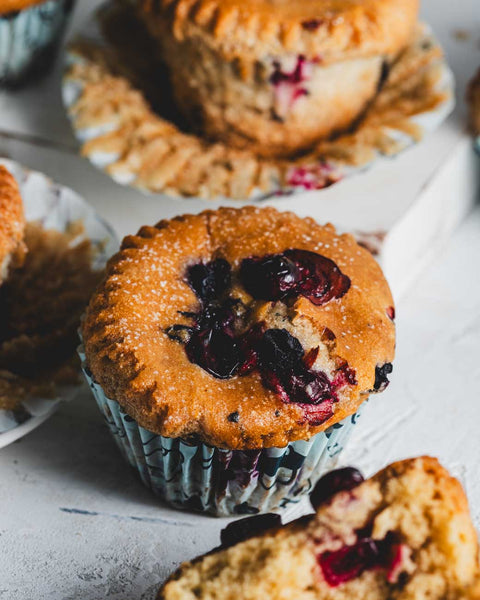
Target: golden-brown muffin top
12, 223
132, 355
327, 29
7, 6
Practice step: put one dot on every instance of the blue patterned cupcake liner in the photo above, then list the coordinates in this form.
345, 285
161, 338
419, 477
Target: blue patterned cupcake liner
196, 476
29, 39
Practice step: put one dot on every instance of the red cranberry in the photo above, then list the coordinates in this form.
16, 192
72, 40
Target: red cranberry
345, 479
294, 77
313, 177
391, 313
316, 414
349, 562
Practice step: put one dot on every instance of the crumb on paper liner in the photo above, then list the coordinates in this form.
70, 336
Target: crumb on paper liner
115, 103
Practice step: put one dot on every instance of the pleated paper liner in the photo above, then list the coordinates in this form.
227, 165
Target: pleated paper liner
195, 476
118, 100
58, 208
29, 39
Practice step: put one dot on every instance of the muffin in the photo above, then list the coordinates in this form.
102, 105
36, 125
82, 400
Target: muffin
473, 98
404, 534
12, 224
30, 31
230, 352
277, 76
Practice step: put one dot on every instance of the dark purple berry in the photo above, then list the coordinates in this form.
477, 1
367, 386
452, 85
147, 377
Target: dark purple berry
269, 278
278, 350
233, 417
381, 377
333, 482
215, 351
243, 529
293, 273
312, 24
210, 280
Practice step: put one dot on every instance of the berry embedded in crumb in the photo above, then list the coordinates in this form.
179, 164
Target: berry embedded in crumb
312, 24
221, 341
271, 277
391, 313
293, 273
351, 561
290, 86
381, 377
283, 370
233, 417
345, 479
210, 280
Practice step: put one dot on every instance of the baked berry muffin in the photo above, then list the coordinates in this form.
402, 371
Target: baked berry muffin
276, 76
404, 534
12, 224
473, 97
30, 31
231, 350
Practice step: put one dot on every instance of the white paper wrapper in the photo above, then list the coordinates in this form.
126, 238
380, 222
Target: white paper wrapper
55, 207
222, 482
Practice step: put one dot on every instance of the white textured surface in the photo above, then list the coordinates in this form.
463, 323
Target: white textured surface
126, 549
124, 544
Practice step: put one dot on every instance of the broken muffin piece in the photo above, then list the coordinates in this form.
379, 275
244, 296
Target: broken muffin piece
404, 534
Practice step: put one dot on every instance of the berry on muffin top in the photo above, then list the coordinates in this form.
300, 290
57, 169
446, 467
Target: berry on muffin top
244, 328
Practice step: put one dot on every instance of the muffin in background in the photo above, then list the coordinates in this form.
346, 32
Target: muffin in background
276, 77
30, 32
230, 352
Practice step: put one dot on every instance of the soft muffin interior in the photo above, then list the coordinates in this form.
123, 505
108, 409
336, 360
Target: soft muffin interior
415, 501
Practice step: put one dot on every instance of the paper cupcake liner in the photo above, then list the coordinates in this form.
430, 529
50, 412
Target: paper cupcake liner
196, 476
29, 39
54, 207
